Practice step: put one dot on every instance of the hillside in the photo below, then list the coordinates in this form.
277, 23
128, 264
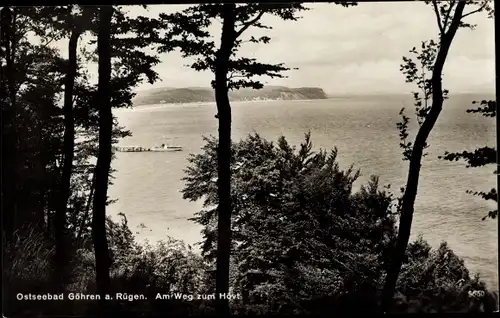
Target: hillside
169, 95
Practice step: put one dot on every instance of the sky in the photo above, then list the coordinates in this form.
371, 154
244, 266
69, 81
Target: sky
354, 50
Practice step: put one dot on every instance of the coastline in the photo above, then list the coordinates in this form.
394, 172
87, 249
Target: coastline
141, 106
331, 97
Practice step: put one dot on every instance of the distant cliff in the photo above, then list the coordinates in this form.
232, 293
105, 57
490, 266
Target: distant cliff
168, 95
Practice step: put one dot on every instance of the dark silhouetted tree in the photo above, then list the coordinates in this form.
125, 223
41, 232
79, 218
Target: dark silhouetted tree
120, 38
69, 144
9, 136
31, 78
105, 152
187, 30
55, 23
431, 58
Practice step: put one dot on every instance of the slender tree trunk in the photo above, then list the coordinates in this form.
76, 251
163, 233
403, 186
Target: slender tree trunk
87, 209
39, 171
224, 159
104, 158
45, 191
9, 136
68, 150
42, 209
410, 194
497, 119
8, 34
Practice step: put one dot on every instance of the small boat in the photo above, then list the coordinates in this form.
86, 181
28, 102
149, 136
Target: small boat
166, 148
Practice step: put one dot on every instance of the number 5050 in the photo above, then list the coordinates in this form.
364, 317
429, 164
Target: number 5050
476, 293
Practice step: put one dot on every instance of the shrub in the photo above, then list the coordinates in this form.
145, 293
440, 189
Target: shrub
438, 281
294, 214
166, 267
304, 242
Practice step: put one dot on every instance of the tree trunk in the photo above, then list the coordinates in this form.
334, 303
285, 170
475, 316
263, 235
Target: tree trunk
87, 210
68, 150
408, 202
497, 119
224, 159
9, 136
104, 157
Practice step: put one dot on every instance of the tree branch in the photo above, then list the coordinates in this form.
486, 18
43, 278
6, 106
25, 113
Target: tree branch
46, 44
246, 25
452, 4
438, 17
477, 10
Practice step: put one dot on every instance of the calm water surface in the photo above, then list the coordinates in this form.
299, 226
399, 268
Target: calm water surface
148, 185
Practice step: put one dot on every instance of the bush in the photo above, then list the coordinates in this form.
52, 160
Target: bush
304, 242
294, 214
166, 267
438, 281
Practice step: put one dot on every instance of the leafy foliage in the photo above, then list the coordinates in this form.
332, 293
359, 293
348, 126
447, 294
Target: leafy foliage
418, 74
31, 115
168, 266
303, 242
432, 58
292, 205
34, 76
420, 71
39, 78
187, 31
438, 281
